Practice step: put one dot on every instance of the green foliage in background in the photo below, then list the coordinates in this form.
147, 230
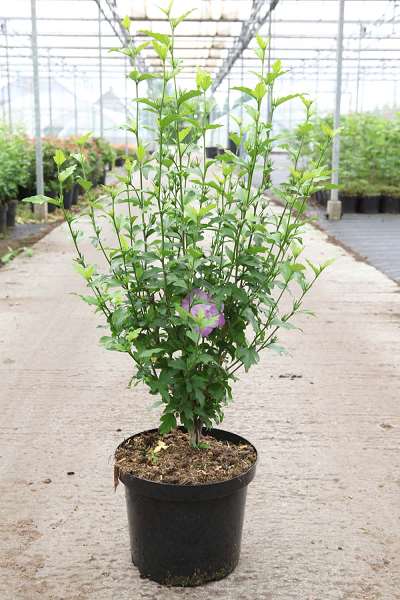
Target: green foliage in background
369, 150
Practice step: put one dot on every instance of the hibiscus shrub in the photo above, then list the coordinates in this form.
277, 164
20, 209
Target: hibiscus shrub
193, 280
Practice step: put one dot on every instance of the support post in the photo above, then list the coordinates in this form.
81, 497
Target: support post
334, 207
50, 98
126, 106
40, 209
269, 96
228, 110
363, 31
4, 27
75, 104
101, 79
241, 83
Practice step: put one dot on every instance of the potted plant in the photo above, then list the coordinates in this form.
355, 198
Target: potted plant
390, 199
370, 201
193, 289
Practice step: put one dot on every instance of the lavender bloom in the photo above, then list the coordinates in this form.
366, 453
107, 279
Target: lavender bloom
199, 301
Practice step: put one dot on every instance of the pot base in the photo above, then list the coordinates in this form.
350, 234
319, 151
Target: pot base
186, 535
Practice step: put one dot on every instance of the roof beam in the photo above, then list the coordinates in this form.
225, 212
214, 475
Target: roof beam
249, 28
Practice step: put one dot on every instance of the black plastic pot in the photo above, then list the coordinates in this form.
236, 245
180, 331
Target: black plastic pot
232, 147
102, 178
211, 151
186, 535
11, 213
3, 218
68, 199
322, 197
369, 204
349, 203
390, 204
75, 193
119, 161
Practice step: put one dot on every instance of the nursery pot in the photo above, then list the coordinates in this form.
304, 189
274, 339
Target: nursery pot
3, 218
11, 213
75, 193
68, 199
102, 178
369, 204
390, 204
211, 151
349, 203
119, 161
186, 535
232, 147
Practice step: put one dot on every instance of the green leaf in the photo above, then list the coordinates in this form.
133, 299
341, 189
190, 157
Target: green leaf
245, 90
86, 272
168, 422
282, 99
149, 353
59, 157
203, 79
81, 141
63, 175
260, 90
248, 356
161, 50
188, 96
163, 38
41, 199
140, 153
262, 42
183, 133
126, 23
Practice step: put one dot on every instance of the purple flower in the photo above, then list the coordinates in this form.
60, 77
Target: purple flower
198, 302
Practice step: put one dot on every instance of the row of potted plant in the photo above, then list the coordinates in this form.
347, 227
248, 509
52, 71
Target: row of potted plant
369, 161
17, 169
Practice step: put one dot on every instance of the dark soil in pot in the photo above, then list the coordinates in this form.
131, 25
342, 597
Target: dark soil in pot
390, 204
3, 218
185, 505
369, 205
11, 212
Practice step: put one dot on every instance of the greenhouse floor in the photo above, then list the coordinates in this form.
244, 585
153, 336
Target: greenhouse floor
374, 238
322, 518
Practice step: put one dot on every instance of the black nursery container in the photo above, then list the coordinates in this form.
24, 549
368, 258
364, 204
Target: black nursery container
349, 203
11, 213
186, 535
75, 193
370, 204
68, 198
211, 151
390, 204
232, 147
3, 218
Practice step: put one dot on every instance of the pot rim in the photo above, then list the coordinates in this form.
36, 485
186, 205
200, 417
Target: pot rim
197, 491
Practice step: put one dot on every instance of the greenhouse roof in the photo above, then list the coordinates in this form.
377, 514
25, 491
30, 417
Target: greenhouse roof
218, 35
74, 39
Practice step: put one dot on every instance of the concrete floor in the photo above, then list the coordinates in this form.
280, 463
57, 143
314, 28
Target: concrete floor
375, 238
323, 514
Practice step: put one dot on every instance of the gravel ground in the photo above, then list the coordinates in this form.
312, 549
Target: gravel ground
322, 517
